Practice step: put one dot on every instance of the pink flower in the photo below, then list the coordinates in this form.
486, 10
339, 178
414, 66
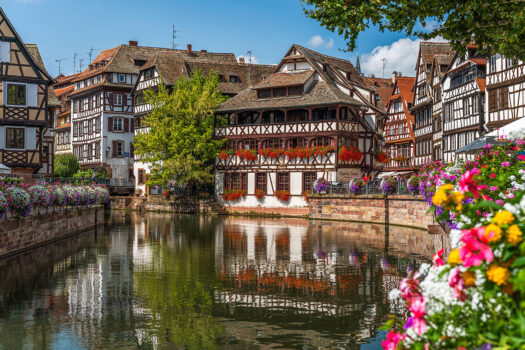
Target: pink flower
417, 307
500, 202
492, 175
456, 282
467, 183
474, 171
392, 339
521, 157
504, 164
437, 258
482, 187
475, 249
493, 188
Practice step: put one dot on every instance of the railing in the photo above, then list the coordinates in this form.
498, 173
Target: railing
176, 190
371, 187
77, 180
121, 183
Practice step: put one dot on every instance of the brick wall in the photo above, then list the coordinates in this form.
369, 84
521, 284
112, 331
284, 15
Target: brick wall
397, 210
19, 234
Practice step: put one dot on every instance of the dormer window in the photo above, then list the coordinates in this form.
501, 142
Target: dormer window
122, 78
234, 79
264, 93
280, 92
148, 73
139, 63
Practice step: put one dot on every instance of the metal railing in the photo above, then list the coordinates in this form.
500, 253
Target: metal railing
371, 187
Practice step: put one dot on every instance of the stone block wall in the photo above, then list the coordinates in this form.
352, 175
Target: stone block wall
396, 210
19, 234
171, 204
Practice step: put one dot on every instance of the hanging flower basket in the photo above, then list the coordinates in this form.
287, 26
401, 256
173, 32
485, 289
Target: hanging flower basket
259, 194
298, 152
306, 195
248, 154
283, 195
413, 184
321, 185
233, 195
388, 185
350, 153
357, 186
381, 157
225, 155
271, 152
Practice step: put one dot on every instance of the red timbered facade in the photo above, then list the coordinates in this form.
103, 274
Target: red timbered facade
399, 129
26, 103
287, 131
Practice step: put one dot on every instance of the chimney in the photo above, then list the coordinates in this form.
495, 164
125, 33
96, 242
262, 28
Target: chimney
372, 75
241, 60
204, 51
133, 43
399, 74
394, 76
188, 49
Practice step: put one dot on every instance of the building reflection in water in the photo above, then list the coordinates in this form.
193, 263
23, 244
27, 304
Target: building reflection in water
159, 279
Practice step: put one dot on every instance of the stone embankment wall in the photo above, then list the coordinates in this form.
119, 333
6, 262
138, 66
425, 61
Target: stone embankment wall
394, 210
172, 204
19, 234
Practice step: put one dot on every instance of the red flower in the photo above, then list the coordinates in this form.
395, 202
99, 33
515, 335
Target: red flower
259, 193
351, 153
283, 195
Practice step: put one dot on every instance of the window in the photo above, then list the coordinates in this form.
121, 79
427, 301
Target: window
247, 144
139, 100
234, 79
5, 51
141, 177
264, 93
81, 129
322, 141
295, 90
237, 181
139, 63
283, 181
118, 124
90, 126
75, 129
97, 125
493, 100
273, 143
297, 142
97, 149
122, 78
90, 151
279, 92
475, 104
148, 73
308, 180
466, 107
14, 138
118, 148
260, 181
16, 94
508, 63
117, 99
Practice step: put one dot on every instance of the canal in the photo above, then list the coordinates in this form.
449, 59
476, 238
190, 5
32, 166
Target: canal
162, 281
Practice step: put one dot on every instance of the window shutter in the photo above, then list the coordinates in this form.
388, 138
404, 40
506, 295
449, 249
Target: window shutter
131, 149
132, 126
126, 124
114, 148
110, 124
124, 99
110, 98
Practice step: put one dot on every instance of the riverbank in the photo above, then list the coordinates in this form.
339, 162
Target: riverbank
21, 234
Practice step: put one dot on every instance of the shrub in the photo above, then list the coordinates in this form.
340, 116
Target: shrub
102, 194
19, 201
61, 196
65, 165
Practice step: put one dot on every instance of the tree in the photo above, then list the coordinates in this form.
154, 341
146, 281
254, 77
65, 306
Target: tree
66, 165
496, 26
179, 144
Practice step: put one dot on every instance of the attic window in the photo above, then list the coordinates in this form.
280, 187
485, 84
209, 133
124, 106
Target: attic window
444, 67
122, 78
429, 65
234, 79
139, 63
148, 74
348, 75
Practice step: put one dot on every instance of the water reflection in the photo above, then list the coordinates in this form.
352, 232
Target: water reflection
160, 281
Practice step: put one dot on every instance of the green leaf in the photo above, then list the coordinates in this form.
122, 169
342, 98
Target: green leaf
519, 262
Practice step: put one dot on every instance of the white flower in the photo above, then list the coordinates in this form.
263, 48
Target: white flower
394, 294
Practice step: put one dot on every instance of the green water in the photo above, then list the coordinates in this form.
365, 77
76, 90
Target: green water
159, 281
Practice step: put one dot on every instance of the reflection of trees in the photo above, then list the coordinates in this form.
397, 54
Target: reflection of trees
177, 288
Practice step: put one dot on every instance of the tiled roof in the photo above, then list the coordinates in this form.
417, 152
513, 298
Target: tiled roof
104, 83
64, 91
64, 126
52, 100
428, 49
405, 87
481, 84
64, 79
319, 94
285, 79
482, 61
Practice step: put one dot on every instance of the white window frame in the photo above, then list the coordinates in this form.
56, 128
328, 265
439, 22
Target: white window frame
117, 99
122, 76
118, 124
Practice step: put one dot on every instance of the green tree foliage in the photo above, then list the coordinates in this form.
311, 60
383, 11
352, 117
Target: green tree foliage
180, 145
66, 165
497, 26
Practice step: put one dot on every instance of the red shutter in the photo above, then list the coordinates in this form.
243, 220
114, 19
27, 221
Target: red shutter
110, 124
114, 148
126, 124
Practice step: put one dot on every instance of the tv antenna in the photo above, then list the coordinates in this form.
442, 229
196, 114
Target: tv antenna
90, 54
385, 61
173, 37
75, 55
81, 60
59, 61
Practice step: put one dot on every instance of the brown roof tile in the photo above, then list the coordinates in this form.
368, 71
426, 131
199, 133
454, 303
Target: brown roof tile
285, 79
481, 84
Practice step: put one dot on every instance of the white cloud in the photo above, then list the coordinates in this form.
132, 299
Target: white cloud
319, 41
401, 56
247, 59
428, 27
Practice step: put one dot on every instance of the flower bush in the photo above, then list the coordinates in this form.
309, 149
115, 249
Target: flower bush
283, 195
223, 155
350, 153
273, 153
40, 196
4, 205
233, 195
413, 184
102, 194
389, 185
474, 298
19, 201
381, 157
321, 185
259, 194
248, 154
357, 185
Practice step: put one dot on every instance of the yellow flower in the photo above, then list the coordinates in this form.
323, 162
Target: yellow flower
439, 197
514, 235
446, 187
493, 233
454, 258
457, 197
498, 274
469, 278
503, 217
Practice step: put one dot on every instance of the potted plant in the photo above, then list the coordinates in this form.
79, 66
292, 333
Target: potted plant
357, 186
350, 153
259, 194
283, 195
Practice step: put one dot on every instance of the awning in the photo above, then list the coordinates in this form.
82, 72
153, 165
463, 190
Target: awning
512, 130
393, 173
4, 169
479, 143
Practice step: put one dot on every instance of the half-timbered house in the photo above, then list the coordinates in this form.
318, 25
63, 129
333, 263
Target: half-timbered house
463, 101
440, 64
505, 85
399, 129
102, 110
311, 100
26, 102
169, 65
422, 101
63, 87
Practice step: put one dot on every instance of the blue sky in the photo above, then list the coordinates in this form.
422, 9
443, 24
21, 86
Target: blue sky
267, 28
